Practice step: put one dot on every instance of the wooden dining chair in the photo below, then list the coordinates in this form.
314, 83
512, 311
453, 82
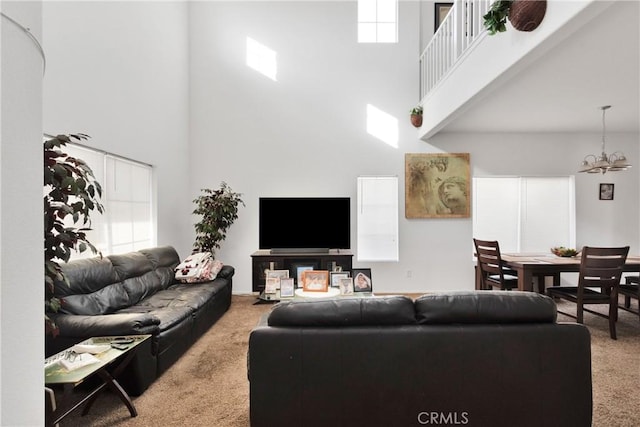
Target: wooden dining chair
493, 274
598, 283
630, 289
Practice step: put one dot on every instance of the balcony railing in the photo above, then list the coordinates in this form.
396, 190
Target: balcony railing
459, 31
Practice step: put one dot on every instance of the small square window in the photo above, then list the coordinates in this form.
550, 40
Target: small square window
377, 21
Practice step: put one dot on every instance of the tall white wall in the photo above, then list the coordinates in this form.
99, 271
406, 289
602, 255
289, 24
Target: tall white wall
21, 226
118, 71
304, 134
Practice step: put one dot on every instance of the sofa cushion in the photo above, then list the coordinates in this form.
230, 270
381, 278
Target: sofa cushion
85, 276
163, 256
132, 264
387, 310
485, 307
104, 301
106, 285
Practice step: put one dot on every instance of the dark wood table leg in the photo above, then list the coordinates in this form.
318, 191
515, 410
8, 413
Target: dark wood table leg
525, 280
110, 381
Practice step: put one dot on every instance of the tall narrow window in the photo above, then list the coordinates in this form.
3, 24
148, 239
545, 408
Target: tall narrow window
377, 218
525, 214
127, 222
377, 21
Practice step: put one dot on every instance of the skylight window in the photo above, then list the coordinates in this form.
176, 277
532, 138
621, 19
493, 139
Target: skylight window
262, 59
377, 21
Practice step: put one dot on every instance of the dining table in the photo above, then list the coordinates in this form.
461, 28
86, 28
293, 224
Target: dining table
530, 265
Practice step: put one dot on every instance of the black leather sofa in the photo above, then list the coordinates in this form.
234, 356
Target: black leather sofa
482, 358
136, 293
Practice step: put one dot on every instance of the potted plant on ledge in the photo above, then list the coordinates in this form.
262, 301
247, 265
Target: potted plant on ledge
416, 116
524, 15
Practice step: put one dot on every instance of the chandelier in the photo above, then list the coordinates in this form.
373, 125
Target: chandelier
603, 163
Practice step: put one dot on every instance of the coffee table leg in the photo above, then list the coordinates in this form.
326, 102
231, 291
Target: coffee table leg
115, 386
109, 380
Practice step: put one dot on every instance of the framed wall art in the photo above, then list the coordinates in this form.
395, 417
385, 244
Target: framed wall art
441, 10
606, 191
437, 185
315, 280
362, 280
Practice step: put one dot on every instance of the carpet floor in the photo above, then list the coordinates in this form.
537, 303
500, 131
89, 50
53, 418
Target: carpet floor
208, 386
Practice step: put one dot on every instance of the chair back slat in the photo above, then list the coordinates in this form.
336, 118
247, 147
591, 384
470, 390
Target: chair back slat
489, 262
602, 267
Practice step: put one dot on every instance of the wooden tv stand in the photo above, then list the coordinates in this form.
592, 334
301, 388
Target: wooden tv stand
265, 260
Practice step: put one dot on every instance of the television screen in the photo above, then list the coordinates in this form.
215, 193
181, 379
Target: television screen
304, 223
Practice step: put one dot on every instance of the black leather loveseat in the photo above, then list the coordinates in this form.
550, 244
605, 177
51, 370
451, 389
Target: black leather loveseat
485, 358
137, 293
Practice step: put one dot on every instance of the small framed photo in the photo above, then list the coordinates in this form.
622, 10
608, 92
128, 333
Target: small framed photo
315, 280
280, 274
336, 276
362, 280
271, 285
287, 287
606, 191
441, 11
346, 286
300, 269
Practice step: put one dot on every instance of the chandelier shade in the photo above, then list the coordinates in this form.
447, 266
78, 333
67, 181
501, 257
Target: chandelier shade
604, 162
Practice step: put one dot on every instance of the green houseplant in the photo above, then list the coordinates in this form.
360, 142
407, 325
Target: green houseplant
71, 194
416, 116
495, 20
524, 15
219, 210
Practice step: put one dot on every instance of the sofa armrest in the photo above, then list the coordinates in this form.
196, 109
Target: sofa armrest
226, 272
105, 325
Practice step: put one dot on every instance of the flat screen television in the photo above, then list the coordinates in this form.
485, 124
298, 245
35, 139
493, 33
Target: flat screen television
304, 224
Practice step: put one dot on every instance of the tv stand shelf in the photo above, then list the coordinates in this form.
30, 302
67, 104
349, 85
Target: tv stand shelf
265, 260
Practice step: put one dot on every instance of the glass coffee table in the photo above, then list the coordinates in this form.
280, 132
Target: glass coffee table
119, 349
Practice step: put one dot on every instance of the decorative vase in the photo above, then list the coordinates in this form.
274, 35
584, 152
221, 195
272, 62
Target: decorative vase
526, 15
416, 120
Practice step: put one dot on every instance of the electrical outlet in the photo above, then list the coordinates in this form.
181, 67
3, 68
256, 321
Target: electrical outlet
409, 273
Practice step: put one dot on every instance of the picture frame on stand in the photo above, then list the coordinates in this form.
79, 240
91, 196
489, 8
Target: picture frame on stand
299, 269
280, 274
336, 276
362, 280
315, 280
271, 285
287, 287
346, 286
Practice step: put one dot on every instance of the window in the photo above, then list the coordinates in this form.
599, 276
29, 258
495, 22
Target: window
377, 21
525, 214
127, 223
377, 218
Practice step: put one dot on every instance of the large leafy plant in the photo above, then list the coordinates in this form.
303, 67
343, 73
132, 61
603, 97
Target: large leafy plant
219, 210
71, 194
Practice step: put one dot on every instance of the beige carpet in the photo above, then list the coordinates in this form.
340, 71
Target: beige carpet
208, 386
